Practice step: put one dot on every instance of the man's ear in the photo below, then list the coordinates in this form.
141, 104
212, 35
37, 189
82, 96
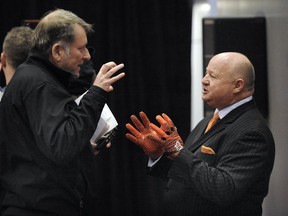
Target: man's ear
3, 59
56, 52
239, 85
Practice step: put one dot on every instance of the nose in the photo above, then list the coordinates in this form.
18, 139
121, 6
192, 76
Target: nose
205, 81
86, 55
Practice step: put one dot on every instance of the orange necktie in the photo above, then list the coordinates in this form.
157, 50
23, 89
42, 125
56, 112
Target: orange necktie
212, 122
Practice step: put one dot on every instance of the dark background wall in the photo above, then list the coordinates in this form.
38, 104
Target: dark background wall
152, 38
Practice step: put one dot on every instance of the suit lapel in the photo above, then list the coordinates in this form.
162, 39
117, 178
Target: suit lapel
203, 137
197, 139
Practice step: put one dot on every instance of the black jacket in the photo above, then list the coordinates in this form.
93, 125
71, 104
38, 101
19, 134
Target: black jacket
44, 139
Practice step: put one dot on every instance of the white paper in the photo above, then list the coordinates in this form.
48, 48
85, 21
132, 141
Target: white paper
107, 122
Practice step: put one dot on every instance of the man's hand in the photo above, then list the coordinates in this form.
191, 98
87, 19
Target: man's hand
144, 136
97, 151
171, 142
105, 78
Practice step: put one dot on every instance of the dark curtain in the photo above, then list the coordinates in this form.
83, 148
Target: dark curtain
152, 38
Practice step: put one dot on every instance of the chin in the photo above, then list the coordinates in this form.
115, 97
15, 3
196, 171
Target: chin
76, 73
207, 101
204, 98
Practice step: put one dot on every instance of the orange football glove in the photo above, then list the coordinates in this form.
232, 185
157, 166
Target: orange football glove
144, 136
170, 139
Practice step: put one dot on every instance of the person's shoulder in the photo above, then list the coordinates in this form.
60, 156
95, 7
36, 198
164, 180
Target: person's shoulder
29, 72
251, 121
26, 78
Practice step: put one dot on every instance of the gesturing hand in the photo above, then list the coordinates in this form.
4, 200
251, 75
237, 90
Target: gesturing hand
170, 140
104, 77
144, 136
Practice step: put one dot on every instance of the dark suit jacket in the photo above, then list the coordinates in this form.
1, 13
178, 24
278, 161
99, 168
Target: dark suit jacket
234, 180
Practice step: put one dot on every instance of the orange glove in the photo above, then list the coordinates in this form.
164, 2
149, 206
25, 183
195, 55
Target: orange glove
170, 139
144, 136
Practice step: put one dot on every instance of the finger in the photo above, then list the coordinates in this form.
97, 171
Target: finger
106, 67
114, 69
113, 80
163, 123
154, 138
133, 130
110, 88
158, 130
94, 150
137, 123
108, 145
168, 120
116, 78
145, 119
131, 138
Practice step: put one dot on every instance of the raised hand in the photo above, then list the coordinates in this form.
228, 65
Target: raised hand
170, 140
144, 136
105, 78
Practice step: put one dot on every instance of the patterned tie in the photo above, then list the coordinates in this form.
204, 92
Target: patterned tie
212, 122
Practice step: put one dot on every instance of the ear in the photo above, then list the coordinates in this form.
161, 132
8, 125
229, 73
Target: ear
239, 85
56, 52
3, 59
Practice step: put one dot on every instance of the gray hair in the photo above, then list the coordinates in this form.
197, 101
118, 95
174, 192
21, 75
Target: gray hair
57, 27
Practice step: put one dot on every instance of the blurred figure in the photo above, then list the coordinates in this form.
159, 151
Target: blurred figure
16, 46
15, 49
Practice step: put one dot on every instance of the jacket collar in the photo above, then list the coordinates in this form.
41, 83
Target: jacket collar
64, 77
221, 125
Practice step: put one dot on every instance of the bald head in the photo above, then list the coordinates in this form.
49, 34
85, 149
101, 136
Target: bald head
229, 78
238, 66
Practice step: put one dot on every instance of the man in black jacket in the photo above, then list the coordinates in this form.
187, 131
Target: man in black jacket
45, 153
222, 171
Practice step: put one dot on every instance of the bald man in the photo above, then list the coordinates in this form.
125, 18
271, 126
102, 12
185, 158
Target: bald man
224, 171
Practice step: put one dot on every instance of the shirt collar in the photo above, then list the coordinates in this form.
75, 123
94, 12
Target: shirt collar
222, 113
2, 89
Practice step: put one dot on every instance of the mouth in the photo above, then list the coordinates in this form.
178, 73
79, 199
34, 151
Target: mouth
204, 90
